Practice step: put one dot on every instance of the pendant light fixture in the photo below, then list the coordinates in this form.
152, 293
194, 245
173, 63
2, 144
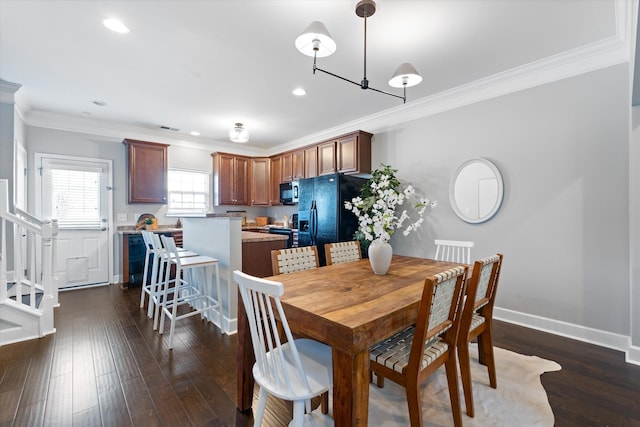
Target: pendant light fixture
317, 42
239, 134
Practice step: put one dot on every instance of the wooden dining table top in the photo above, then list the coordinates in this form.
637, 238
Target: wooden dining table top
348, 306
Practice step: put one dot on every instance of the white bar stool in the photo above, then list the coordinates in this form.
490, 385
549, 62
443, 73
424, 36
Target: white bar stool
194, 293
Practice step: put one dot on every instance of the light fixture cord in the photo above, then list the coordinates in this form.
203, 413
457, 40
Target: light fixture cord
365, 82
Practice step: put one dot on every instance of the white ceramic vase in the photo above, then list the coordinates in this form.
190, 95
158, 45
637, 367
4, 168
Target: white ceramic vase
380, 253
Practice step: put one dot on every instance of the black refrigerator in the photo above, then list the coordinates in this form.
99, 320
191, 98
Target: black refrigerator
322, 217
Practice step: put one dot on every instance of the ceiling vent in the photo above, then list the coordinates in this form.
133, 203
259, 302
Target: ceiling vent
169, 128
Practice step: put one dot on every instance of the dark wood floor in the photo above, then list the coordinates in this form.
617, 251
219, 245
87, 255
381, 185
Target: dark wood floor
106, 366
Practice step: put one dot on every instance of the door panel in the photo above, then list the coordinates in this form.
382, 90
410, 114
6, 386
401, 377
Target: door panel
75, 192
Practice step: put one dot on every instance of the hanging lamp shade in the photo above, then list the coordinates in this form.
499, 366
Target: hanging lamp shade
316, 40
239, 134
405, 76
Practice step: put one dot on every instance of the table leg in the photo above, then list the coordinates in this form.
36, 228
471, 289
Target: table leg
246, 359
350, 388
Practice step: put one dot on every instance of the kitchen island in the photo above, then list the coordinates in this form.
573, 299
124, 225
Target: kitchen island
221, 236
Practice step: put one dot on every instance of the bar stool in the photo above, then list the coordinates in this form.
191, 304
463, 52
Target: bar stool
193, 292
159, 266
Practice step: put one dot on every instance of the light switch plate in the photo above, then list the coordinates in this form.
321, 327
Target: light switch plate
122, 217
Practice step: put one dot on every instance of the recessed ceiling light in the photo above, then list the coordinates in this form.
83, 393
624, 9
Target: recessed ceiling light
299, 91
99, 103
194, 133
115, 25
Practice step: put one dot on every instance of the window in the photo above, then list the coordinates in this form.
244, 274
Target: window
72, 193
188, 192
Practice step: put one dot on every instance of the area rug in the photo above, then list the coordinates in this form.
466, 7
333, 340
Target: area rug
519, 400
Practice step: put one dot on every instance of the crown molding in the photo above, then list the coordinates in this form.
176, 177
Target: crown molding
119, 131
8, 91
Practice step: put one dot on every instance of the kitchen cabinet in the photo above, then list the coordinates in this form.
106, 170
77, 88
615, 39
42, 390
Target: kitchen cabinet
274, 179
311, 162
292, 166
147, 164
230, 179
348, 154
354, 153
327, 158
260, 181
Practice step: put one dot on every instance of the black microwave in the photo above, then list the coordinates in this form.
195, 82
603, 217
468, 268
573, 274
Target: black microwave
289, 193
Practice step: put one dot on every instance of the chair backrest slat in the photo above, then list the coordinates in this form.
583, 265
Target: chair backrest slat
454, 250
290, 260
340, 252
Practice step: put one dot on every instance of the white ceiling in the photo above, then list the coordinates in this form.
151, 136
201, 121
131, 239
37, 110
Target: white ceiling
203, 65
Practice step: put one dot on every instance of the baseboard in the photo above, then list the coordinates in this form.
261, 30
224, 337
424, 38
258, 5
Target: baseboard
633, 355
569, 330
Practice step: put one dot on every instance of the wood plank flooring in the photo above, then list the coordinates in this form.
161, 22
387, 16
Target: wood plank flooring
105, 366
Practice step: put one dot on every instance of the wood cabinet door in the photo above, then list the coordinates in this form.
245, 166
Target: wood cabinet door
348, 154
224, 177
276, 177
147, 178
327, 158
260, 182
298, 165
287, 167
311, 162
241, 175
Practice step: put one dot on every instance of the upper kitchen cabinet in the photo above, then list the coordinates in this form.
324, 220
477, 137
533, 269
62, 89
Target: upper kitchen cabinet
354, 153
147, 177
327, 158
292, 166
230, 179
311, 162
348, 154
275, 179
260, 181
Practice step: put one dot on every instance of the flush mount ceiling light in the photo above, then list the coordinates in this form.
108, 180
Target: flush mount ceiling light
239, 134
317, 42
115, 25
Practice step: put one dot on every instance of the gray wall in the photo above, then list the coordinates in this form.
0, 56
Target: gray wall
562, 149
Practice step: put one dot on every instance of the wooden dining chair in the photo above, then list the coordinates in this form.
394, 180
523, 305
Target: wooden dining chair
409, 357
476, 322
453, 251
290, 369
340, 252
290, 260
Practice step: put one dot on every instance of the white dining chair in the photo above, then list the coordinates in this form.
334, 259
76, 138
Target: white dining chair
454, 250
290, 369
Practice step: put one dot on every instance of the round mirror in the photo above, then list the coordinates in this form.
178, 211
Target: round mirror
476, 191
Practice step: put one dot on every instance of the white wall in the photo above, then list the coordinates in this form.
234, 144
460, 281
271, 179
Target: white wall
562, 149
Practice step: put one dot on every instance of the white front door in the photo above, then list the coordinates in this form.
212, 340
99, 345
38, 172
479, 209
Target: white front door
75, 191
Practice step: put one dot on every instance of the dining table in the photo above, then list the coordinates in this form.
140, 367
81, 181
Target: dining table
349, 308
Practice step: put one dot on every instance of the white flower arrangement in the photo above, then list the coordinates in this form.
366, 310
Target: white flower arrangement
376, 207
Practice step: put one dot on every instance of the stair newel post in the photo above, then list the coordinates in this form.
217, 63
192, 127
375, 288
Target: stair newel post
49, 232
4, 209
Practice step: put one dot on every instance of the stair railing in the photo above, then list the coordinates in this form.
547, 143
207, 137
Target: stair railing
39, 234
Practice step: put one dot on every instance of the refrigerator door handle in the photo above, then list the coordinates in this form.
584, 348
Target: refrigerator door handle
315, 225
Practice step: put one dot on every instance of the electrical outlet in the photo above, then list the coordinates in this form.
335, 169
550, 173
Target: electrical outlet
122, 217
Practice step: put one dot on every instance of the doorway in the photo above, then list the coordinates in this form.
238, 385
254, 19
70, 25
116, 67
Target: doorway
77, 192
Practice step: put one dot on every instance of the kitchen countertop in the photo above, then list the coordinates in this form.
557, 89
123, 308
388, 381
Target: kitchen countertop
131, 229
250, 236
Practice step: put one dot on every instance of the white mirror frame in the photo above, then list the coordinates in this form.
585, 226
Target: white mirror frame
476, 191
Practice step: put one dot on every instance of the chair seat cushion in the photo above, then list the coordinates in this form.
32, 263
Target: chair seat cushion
476, 321
394, 351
